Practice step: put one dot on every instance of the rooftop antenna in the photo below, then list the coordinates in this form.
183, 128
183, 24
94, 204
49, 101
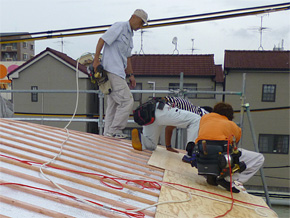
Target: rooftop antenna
174, 42
141, 49
62, 42
192, 47
261, 29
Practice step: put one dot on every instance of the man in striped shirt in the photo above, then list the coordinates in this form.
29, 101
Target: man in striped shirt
182, 104
170, 115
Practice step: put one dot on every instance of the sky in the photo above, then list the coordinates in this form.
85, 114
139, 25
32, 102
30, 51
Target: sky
212, 37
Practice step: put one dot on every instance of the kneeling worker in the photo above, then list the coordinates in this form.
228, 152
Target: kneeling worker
218, 126
166, 114
182, 104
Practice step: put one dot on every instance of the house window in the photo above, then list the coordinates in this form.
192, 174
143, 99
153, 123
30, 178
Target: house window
137, 96
269, 93
34, 95
14, 46
31, 47
25, 57
270, 143
24, 44
186, 86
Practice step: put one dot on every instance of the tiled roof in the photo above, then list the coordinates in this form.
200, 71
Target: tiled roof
268, 60
219, 74
173, 65
61, 55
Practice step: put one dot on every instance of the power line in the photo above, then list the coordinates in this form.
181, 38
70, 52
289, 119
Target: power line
273, 177
276, 167
154, 23
266, 109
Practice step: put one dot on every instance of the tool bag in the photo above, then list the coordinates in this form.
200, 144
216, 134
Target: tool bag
145, 113
212, 159
207, 160
104, 84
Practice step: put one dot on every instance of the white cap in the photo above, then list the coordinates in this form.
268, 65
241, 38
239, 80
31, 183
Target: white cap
142, 14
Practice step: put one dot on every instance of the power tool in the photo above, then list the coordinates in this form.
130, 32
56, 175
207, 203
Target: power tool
95, 75
101, 78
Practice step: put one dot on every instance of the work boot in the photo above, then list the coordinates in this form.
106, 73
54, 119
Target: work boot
136, 140
240, 186
211, 180
189, 148
227, 185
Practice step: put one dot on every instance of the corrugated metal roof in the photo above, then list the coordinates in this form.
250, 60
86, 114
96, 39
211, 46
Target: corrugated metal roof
172, 65
271, 60
24, 146
108, 173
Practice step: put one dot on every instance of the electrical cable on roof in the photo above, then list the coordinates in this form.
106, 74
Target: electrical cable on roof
128, 212
129, 177
63, 143
257, 208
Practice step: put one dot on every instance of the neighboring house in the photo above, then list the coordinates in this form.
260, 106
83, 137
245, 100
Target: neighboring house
53, 70
5, 68
162, 72
16, 51
267, 92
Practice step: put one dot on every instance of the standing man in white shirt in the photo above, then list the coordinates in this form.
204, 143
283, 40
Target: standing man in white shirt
116, 60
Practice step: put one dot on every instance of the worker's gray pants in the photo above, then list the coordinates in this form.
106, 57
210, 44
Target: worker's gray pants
254, 162
169, 116
119, 105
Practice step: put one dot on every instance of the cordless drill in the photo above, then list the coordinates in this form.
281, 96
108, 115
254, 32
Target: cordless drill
95, 75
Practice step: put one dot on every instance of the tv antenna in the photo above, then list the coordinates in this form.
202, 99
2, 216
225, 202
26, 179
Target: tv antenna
141, 49
62, 42
261, 29
192, 47
174, 42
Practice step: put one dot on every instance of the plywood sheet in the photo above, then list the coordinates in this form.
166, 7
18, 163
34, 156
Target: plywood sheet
167, 160
202, 204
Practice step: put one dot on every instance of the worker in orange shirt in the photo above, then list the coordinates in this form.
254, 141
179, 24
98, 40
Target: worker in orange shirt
218, 126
